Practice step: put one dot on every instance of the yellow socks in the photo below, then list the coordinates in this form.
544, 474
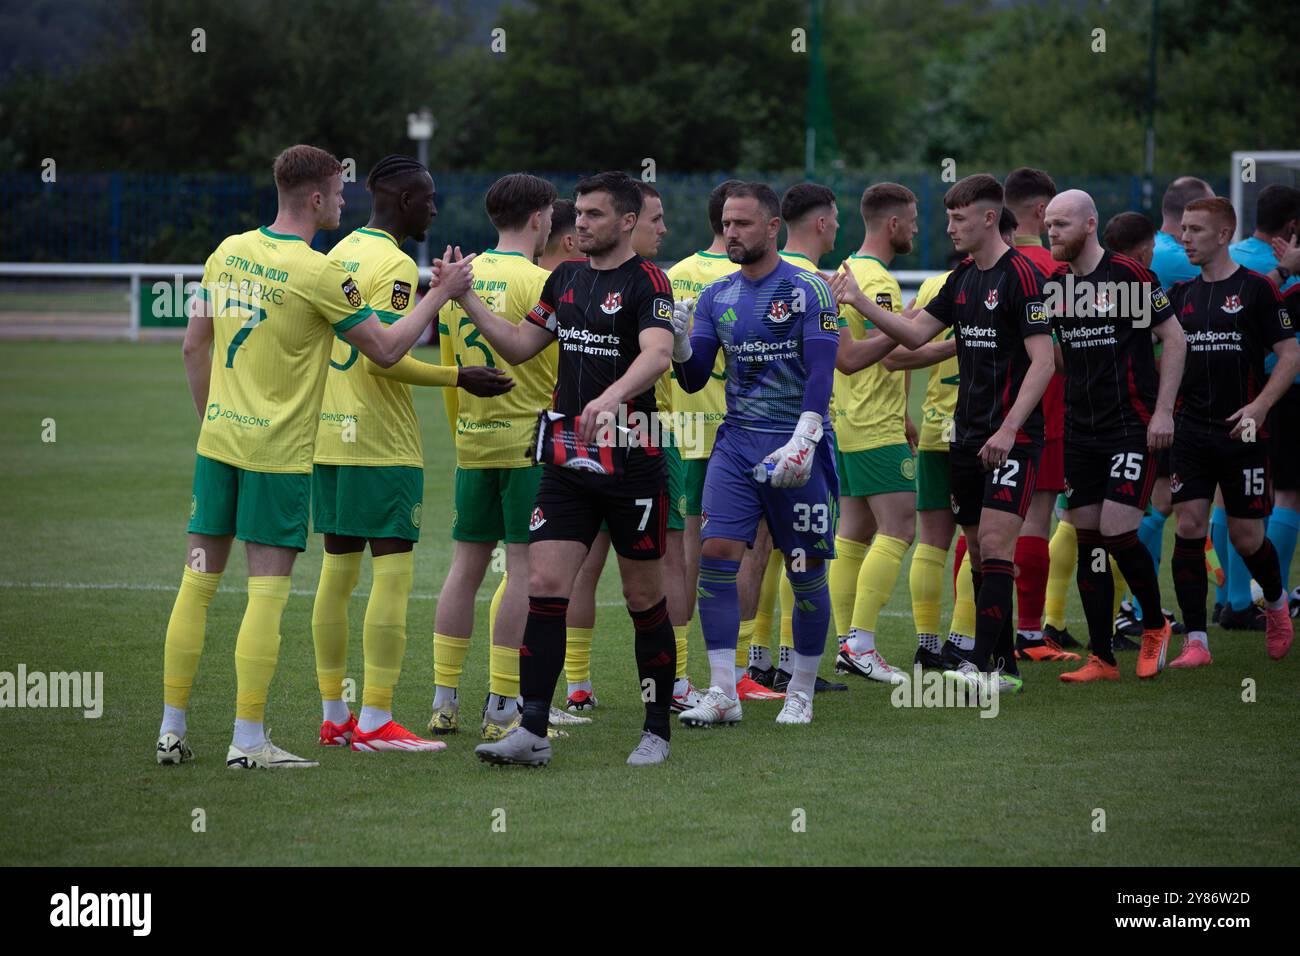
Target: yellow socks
743, 641
258, 646
448, 659
787, 611
495, 606
185, 630
503, 662
963, 607
384, 633
504, 671
329, 620
679, 636
577, 654
1063, 557
925, 581
1121, 588
843, 580
876, 580
772, 574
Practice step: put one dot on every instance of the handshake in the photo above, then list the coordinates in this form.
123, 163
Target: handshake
683, 311
453, 273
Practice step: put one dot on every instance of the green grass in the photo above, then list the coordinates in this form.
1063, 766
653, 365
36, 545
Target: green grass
66, 300
1186, 772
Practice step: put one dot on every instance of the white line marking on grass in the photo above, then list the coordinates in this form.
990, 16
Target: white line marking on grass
482, 598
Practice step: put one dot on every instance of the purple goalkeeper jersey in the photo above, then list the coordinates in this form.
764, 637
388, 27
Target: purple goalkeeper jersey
763, 329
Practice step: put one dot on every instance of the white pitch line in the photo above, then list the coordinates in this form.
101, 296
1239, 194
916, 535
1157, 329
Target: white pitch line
482, 598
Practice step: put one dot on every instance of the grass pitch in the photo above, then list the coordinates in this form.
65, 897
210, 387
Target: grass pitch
92, 525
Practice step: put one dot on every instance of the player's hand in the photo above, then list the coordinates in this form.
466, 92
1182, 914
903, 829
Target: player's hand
456, 275
600, 411
910, 310
1160, 431
995, 450
438, 265
793, 461
909, 431
483, 381
1287, 252
683, 311
845, 288
1247, 419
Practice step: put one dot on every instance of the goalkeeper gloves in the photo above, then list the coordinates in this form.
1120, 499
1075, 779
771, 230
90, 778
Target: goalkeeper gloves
682, 312
792, 462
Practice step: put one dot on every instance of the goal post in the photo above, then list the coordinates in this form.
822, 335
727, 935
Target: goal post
1251, 171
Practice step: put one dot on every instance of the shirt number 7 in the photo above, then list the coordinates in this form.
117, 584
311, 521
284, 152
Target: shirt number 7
258, 315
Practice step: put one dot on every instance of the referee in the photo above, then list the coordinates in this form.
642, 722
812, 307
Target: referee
612, 316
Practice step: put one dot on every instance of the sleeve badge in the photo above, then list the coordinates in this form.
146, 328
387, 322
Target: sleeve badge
352, 293
401, 296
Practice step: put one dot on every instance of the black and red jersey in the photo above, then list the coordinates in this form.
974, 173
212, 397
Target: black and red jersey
993, 311
1231, 326
1103, 321
598, 316
1054, 397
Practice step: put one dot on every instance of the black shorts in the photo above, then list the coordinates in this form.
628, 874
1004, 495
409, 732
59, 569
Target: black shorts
1162, 463
571, 505
1096, 470
1239, 469
1008, 488
1284, 440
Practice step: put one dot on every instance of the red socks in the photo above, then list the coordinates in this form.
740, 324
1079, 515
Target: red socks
1031, 582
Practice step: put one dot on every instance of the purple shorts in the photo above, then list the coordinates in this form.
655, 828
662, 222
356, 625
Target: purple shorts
802, 520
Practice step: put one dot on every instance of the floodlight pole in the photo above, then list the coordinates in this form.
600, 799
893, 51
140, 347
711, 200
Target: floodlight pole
1148, 181
420, 127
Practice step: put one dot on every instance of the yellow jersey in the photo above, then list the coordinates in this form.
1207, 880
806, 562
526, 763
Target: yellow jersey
496, 432
870, 405
941, 388
276, 305
365, 419
697, 415
835, 412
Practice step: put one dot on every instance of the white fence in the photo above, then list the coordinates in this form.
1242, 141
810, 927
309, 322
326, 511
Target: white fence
137, 272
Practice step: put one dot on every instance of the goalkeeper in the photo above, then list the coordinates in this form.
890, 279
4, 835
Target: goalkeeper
779, 329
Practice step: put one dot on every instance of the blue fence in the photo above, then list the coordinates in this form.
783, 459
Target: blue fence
134, 217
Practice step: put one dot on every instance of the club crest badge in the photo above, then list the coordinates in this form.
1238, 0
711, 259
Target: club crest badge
401, 296
613, 302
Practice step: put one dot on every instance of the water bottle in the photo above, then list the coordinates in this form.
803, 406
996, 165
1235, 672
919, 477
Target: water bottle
763, 470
